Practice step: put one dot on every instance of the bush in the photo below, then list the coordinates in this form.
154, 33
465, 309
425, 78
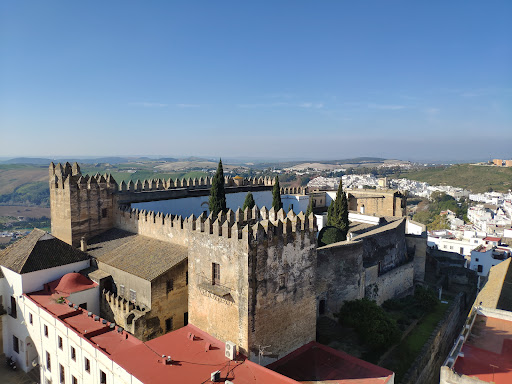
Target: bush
373, 325
329, 235
425, 298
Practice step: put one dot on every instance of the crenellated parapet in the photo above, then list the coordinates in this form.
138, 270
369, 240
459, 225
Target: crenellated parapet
69, 176
249, 225
189, 183
293, 190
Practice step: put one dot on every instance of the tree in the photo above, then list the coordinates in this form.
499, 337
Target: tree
330, 235
309, 211
217, 201
337, 214
373, 325
249, 201
277, 204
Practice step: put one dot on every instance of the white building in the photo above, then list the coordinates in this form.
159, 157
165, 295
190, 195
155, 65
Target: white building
484, 258
26, 266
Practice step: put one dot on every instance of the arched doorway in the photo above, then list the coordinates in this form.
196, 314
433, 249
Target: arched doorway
32, 359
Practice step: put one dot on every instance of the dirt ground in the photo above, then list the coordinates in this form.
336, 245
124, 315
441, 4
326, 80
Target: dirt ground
18, 210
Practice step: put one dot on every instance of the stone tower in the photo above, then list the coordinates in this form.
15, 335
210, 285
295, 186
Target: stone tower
81, 206
252, 280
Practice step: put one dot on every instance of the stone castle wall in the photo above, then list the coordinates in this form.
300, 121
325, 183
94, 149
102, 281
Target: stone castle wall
267, 272
340, 275
426, 367
396, 283
81, 206
417, 248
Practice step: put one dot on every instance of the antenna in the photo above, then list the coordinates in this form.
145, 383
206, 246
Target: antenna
261, 352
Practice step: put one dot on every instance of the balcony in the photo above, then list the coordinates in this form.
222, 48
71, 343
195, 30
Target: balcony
217, 291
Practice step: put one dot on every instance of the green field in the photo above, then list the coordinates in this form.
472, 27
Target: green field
476, 178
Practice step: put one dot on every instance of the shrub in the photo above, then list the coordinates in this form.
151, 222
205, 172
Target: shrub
375, 327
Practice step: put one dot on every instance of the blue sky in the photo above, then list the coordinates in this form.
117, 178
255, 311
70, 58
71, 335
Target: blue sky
271, 79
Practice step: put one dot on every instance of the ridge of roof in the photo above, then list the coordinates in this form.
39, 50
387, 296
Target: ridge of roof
37, 251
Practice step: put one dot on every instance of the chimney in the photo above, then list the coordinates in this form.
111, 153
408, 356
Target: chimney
83, 244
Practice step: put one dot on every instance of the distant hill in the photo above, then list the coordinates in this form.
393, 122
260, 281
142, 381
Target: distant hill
477, 178
28, 160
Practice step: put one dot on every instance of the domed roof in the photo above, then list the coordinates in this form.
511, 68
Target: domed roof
72, 282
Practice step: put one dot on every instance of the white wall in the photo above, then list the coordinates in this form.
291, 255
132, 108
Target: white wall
300, 202
193, 205
484, 259
90, 296
16, 284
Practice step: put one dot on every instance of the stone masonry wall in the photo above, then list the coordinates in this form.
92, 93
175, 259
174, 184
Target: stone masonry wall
417, 247
81, 206
221, 309
340, 274
426, 367
173, 303
395, 283
282, 300
377, 202
387, 247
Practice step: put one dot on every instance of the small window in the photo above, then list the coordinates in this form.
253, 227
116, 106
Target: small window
59, 339
168, 324
103, 377
74, 380
104, 212
170, 285
282, 281
215, 273
476, 259
133, 295
73, 353
46, 330
451, 246
30, 318
185, 318
83, 306
61, 374
321, 307
121, 290
87, 365
14, 312
15, 344
48, 362
480, 268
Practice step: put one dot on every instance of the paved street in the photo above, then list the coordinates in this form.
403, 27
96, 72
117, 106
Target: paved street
8, 376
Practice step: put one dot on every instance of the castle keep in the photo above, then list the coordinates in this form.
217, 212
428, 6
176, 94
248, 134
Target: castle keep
251, 277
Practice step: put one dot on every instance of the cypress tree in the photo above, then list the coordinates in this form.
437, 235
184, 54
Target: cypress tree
217, 201
249, 201
337, 214
276, 196
309, 211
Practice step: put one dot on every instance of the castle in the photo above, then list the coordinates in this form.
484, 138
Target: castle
253, 277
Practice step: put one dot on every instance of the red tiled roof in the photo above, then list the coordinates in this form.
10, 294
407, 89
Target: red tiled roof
316, 362
488, 351
193, 362
490, 238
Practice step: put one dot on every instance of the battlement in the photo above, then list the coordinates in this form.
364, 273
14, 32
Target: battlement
293, 190
70, 176
67, 175
195, 183
249, 225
